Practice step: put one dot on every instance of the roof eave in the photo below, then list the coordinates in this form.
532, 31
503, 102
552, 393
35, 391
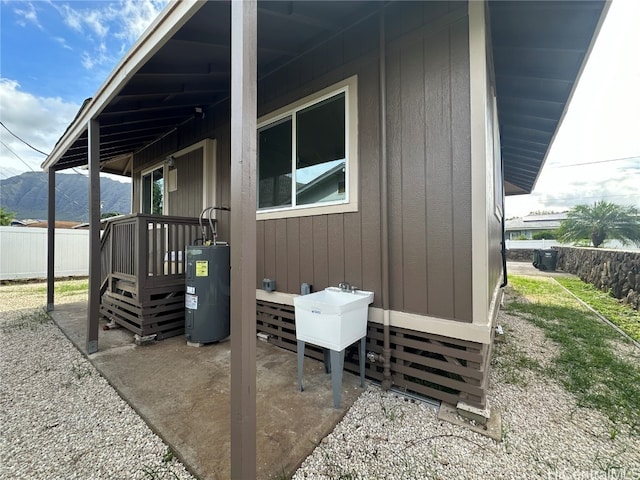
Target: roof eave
170, 20
603, 15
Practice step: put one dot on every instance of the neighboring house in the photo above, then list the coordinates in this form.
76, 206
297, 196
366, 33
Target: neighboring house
387, 136
24, 223
58, 224
516, 228
43, 223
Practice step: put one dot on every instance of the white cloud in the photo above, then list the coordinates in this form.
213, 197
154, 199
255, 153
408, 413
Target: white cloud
110, 28
39, 121
27, 15
96, 21
72, 18
63, 43
135, 16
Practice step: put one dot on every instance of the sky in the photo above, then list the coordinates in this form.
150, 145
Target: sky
54, 54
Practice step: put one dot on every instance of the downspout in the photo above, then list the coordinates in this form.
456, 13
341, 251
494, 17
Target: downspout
387, 381
505, 279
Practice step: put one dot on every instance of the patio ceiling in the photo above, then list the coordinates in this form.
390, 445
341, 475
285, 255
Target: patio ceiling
539, 50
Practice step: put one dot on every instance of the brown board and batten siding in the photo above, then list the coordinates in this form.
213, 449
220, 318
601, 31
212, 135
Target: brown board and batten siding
186, 201
429, 175
429, 164
324, 250
429, 172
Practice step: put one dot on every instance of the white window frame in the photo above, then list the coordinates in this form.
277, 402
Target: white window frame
165, 197
350, 204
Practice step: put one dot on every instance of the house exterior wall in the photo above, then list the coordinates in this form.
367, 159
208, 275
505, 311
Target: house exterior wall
186, 200
436, 259
429, 171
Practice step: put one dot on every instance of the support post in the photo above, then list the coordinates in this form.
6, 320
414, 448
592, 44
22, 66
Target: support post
243, 238
387, 381
51, 238
93, 311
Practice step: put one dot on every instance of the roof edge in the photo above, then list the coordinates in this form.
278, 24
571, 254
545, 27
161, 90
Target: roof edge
594, 37
170, 20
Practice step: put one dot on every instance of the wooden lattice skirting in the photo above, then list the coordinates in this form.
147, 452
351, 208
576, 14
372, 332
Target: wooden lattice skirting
433, 366
160, 311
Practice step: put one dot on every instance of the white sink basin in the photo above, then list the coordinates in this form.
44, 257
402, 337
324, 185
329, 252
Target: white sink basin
332, 318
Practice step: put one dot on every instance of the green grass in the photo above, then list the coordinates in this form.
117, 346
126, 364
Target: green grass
513, 362
66, 288
612, 309
587, 365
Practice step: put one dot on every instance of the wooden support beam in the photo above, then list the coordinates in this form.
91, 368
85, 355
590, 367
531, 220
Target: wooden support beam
51, 238
93, 311
243, 238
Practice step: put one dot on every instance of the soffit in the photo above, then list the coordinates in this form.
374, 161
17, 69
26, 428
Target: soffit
539, 49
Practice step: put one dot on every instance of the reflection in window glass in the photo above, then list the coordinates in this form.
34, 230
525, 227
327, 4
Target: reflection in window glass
320, 160
274, 165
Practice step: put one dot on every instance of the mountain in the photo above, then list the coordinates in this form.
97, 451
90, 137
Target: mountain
26, 196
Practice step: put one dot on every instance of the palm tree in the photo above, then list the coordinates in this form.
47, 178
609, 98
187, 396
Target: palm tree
600, 221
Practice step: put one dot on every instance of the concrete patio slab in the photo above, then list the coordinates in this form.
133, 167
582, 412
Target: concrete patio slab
182, 392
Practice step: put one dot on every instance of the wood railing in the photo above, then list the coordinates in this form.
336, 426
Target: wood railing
145, 250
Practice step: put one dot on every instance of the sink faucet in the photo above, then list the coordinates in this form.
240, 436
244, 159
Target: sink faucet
344, 286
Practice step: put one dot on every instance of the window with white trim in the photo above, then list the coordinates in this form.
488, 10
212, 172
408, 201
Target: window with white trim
153, 191
306, 154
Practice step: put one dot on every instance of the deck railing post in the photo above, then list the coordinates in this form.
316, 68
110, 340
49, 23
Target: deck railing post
141, 253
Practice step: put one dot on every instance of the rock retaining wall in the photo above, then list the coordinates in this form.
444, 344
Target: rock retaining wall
616, 271
520, 255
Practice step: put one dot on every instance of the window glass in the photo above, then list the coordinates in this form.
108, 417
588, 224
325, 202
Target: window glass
317, 172
274, 165
320, 162
153, 192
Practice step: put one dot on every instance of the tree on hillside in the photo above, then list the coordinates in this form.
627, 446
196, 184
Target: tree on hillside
600, 221
5, 217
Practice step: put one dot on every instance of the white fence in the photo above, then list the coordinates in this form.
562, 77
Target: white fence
23, 253
542, 244
530, 244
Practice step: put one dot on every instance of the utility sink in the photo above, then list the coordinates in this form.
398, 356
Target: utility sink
332, 318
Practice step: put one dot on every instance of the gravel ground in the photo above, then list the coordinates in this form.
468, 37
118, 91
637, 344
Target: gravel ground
61, 420
544, 433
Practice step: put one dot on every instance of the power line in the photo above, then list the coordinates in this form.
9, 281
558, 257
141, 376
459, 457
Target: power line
86, 209
596, 162
23, 141
17, 156
33, 148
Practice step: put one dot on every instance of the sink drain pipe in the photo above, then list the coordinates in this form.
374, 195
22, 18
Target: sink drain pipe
387, 381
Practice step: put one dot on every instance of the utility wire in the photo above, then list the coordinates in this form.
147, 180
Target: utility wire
23, 141
85, 208
34, 148
17, 156
596, 162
